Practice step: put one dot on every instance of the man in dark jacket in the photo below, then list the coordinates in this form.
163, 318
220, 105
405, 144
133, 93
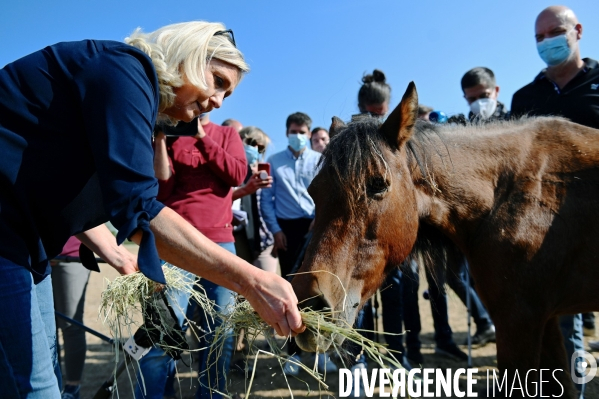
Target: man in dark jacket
568, 87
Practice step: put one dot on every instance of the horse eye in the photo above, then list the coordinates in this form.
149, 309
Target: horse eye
376, 186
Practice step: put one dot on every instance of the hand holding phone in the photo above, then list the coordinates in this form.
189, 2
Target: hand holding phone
264, 168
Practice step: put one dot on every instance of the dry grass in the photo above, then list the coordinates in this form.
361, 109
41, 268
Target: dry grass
125, 300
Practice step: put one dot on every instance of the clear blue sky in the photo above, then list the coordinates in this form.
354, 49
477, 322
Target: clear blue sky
309, 55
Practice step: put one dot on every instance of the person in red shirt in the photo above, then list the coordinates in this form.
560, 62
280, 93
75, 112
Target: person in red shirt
196, 176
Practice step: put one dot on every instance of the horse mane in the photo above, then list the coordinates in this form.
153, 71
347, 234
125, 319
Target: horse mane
353, 155
430, 140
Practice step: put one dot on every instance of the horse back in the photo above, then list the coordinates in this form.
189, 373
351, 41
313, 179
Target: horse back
545, 218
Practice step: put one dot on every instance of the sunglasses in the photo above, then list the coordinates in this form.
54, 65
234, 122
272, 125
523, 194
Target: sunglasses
254, 143
229, 34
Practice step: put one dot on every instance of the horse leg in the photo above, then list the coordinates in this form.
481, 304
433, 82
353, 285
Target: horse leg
518, 354
554, 358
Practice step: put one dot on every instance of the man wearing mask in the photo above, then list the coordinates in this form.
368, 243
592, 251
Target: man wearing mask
288, 209
481, 92
568, 87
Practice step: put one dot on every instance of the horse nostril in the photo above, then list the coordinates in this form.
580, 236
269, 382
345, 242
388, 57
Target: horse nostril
316, 303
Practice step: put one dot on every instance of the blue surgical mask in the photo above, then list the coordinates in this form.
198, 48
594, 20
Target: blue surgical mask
297, 141
251, 153
554, 50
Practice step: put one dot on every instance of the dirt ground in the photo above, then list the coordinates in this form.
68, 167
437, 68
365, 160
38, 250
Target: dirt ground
269, 381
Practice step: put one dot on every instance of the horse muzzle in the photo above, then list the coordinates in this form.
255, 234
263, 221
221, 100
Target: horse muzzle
312, 340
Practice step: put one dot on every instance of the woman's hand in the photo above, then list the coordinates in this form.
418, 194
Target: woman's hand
274, 300
254, 184
123, 261
102, 242
201, 133
279, 244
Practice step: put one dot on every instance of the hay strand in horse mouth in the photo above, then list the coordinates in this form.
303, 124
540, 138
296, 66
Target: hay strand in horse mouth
126, 298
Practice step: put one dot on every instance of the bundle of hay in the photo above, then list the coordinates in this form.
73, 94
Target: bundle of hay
126, 299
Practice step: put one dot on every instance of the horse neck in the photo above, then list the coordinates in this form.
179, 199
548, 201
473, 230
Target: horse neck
457, 176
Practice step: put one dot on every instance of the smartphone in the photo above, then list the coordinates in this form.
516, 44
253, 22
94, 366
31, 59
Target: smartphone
265, 166
182, 128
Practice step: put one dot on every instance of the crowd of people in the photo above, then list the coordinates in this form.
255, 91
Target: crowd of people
207, 202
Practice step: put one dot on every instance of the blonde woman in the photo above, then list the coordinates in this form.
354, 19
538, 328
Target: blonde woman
79, 116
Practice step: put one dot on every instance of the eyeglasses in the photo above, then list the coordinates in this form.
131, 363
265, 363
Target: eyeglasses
230, 35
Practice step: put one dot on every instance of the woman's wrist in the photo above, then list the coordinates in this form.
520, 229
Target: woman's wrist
242, 191
201, 133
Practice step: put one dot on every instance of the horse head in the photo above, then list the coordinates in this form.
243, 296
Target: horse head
366, 216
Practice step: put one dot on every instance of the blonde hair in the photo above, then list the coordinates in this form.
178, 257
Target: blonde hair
185, 49
253, 133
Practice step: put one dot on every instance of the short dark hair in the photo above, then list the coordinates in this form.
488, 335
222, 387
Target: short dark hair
374, 90
299, 118
318, 129
424, 109
228, 122
478, 76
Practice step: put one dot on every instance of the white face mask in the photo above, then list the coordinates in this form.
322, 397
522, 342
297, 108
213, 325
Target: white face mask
484, 107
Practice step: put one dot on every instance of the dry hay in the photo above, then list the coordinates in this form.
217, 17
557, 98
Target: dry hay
126, 298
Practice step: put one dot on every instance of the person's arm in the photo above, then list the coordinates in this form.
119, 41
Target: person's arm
228, 162
163, 167
269, 294
253, 184
101, 241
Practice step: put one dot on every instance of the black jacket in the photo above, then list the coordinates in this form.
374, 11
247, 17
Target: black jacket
577, 101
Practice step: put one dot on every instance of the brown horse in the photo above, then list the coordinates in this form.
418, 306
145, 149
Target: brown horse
520, 199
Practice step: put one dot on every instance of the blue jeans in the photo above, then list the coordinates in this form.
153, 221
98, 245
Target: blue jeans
214, 367
157, 367
28, 360
457, 282
438, 297
399, 294
571, 326
364, 321
439, 311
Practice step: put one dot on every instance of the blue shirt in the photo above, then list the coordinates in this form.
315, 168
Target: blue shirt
76, 122
288, 197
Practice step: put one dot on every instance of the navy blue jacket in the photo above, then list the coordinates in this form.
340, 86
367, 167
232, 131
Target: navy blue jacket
76, 121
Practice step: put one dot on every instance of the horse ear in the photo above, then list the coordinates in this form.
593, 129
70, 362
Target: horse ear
336, 126
399, 125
